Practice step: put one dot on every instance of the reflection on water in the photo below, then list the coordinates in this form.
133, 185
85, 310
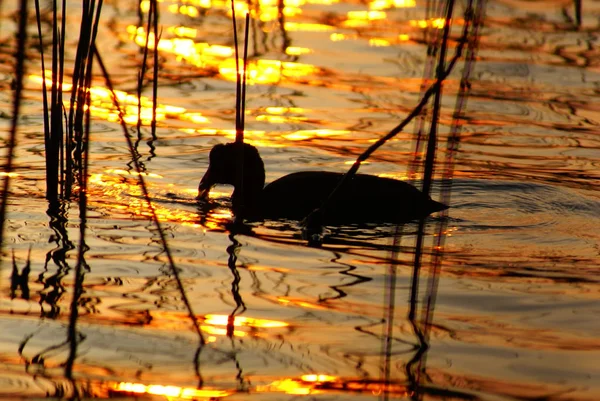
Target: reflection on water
518, 288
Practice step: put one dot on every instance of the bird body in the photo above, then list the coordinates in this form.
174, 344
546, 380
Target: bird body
363, 199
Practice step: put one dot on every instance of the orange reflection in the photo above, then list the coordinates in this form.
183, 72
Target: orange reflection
299, 302
338, 37
297, 51
120, 191
307, 384
169, 391
319, 383
223, 320
366, 15
222, 331
221, 58
39, 80
186, 7
102, 105
383, 4
318, 378
363, 18
253, 136
302, 135
190, 11
291, 386
197, 54
307, 27
279, 119
239, 322
378, 42
283, 110
183, 31
437, 23
266, 71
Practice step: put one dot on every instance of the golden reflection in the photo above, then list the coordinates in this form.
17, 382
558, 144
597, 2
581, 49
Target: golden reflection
223, 320
356, 19
197, 118
169, 391
197, 54
174, 8
307, 384
383, 4
102, 105
266, 71
307, 27
267, 9
39, 80
318, 378
190, 11
366, 15
378, 42
279, 119
274, 139
338, 37
239, 322
283, 110
302, 135
134, 173
120, 189
182, 31
289, 386
395, 176
318, 384
297, 51
375, 42
300, 302
221, 58
437, 23
255, 136
271, 13
217, 331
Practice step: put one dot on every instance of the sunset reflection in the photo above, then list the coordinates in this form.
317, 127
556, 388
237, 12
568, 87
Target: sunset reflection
120, 190
243, 321
304, 385
220, 58
383, 4
168, 391
266, 71
131, 106
320, 383
437, 23
243, 326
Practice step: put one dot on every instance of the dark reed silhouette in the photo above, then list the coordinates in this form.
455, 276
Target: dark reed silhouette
364, 198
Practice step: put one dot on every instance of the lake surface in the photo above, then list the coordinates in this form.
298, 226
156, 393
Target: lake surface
517, 311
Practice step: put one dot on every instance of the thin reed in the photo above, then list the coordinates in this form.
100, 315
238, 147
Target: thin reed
12, 139
135, 158
416, 367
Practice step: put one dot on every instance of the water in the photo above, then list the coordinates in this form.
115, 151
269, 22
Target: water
517, 304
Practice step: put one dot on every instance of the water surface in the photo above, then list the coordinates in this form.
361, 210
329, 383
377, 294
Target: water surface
517, 308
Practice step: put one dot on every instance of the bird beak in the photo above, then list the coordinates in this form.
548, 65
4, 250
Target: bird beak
206, 183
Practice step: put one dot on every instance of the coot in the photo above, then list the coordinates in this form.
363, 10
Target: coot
363, 199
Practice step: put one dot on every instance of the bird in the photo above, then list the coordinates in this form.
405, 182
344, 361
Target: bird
363, 199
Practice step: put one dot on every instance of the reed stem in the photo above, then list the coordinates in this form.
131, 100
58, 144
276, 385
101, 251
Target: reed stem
12, 139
